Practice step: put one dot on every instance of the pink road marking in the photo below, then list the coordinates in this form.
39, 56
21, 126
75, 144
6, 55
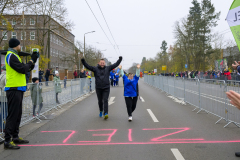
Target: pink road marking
109, 135
69, 136
130, 135
128, 143
158, 138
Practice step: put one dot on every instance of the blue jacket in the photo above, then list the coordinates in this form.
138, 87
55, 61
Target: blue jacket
117, 77
130, 86
112, 75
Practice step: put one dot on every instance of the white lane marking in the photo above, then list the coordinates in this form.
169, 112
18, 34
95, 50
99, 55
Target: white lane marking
152, 115
142, 99
177, 154
110, 102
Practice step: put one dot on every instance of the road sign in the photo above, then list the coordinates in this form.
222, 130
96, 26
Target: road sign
145, 72
155, 70
164, 68
36, 68
186, 66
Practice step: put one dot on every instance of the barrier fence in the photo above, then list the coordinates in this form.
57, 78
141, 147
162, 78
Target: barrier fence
208, 95
45, 97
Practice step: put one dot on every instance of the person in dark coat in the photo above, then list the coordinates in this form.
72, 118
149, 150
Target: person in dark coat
102, 73
47, 74
40, 76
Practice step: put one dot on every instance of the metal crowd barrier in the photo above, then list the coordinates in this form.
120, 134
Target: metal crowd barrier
70, 90
208, 95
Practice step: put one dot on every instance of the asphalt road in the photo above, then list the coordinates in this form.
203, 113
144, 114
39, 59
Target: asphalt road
161, 129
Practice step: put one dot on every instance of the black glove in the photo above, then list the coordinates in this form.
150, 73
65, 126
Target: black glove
82, 59
120, 57
35, 56
31, 68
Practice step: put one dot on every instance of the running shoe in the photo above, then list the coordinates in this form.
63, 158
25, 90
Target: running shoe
100, 115
106, 116
20, 141
10, 145
130, 118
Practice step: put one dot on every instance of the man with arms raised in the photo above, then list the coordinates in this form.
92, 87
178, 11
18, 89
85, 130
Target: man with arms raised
102, 72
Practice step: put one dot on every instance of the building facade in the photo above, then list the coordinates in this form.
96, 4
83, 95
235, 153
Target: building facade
55, 41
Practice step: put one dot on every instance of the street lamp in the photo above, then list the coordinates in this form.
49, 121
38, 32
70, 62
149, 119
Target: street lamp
84, 43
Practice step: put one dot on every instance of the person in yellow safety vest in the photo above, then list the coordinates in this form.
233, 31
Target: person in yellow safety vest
15, 87
149, 73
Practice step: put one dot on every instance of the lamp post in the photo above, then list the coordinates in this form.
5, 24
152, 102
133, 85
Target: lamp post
84, 43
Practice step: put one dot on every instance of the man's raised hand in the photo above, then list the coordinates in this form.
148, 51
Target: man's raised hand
120, 66
235, 65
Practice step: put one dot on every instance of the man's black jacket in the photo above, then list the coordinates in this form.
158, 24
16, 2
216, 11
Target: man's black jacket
102, 74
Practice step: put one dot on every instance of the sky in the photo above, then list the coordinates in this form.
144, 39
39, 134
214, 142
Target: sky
137, 26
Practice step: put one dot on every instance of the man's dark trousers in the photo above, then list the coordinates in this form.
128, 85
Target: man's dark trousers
103, 95
14, 98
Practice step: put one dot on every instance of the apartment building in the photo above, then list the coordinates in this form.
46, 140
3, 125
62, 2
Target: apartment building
56, 41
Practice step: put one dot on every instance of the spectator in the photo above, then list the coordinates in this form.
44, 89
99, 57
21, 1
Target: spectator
75, 74
36, 95
65, 82
82, 74
58, 88
3, 104
47, 74
112, 73
40, 76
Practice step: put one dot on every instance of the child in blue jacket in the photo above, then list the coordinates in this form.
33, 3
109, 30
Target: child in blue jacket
131, 90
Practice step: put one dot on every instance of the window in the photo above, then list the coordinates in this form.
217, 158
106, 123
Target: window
51, 37
24, 22
23, 48
14, 22
4, 22
14, 35
23, 35
50, 51
32, 35
4, 34
53, 50
32, 21
3, 48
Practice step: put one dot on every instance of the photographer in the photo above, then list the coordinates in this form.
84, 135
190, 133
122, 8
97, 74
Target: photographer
16, 85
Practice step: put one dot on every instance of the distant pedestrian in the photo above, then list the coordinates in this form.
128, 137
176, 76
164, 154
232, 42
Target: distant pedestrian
36, 95
112, 73
58, 88
131, 90
116, 79
75, 74
47, 74
40, 76
65, 82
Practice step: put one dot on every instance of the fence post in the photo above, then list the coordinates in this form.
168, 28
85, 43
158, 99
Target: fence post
174, 94
184, 90
199, 97
71, 91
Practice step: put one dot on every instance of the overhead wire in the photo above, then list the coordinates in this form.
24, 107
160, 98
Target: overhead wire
100, 25
108, 26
